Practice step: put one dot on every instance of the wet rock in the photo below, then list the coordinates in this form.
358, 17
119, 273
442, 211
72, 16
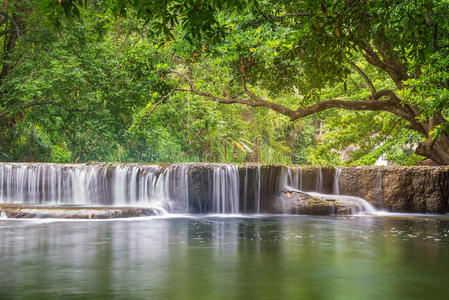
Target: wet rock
399, 189
200, 186
76, 212
427, 162
295, 202
310, 175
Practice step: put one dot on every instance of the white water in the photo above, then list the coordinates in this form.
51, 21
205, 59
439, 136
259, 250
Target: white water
163, 187
293, 183
225, 189
361, 203
258, 180
90, 184
336, 181
319, 181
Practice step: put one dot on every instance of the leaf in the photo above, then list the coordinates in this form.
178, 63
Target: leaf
239, 146
337, 32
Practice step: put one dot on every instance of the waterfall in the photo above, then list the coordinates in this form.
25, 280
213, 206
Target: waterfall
294, 177
378, 189
292, 181
176, 188
225, 189
319, 181
258, 180
336, 183
96, 184
362, 204
245, 191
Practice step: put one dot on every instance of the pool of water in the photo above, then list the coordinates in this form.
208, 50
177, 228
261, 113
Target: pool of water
211, 257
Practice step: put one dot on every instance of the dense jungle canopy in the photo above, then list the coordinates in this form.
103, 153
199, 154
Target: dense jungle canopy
305, 82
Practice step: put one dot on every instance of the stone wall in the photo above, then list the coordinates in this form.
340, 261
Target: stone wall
399, 189
423, 189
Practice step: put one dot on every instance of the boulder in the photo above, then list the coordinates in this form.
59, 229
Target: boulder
295, 202
74, 212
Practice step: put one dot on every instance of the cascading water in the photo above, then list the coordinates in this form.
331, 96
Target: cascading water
319, 181
258, 180
336, 181
293, 183
292, 178
96, 184
177, 188
362, 204
225, 189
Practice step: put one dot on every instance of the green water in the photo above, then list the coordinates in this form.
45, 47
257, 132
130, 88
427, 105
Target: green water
294, 257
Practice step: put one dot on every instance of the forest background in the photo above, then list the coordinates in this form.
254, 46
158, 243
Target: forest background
291, 82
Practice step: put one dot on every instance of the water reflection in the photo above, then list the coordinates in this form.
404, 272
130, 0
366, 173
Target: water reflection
224, 258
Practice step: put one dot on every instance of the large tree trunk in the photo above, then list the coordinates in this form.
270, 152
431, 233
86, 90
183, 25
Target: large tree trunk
437, 150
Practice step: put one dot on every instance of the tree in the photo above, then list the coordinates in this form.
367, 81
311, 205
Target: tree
406, 41
87, 88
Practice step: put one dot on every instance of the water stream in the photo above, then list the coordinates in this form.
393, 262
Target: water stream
217, 240
264, 257
176, 188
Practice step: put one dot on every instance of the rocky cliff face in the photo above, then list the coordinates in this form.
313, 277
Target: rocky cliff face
399, 189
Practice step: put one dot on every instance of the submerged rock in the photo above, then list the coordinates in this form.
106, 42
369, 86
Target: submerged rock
296, 202
74, 212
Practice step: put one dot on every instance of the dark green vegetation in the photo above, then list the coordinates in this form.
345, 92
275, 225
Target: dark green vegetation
321, 82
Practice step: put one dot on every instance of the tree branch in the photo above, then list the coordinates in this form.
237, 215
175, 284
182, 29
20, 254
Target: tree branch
388, 105
365, 77
155, 105
6, 32
3, 17
389, 63
292, 15
386, 92
392, 105
254, 102
256, 5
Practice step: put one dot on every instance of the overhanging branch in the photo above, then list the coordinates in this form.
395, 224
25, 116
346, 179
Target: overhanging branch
392, 105
254, 100
292, 15
365, 77
388, 105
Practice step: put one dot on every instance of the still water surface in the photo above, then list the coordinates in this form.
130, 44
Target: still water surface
271, 257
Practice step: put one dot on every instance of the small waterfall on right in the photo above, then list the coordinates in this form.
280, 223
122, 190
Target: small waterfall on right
336, 181
319, 181
324, 180
257, 190
362, 205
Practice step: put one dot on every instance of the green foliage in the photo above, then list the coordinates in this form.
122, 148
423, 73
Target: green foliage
100, 85
84, 92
